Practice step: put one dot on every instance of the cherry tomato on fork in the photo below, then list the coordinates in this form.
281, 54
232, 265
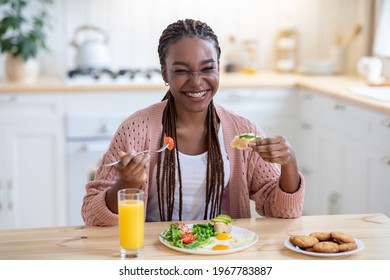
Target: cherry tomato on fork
171, 144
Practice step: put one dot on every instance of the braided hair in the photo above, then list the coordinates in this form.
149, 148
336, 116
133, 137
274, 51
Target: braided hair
166, 176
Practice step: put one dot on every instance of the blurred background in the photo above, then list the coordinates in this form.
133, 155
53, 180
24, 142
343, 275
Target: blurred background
133, 28
315, 71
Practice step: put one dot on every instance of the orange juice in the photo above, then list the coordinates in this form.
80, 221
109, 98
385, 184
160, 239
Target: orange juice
131, 224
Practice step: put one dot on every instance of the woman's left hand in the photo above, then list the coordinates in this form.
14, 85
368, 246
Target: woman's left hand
274, 149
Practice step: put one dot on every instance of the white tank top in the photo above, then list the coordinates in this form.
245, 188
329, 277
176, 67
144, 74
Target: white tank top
193, 172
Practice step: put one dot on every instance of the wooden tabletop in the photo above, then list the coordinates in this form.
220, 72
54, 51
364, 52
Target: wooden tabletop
91, 243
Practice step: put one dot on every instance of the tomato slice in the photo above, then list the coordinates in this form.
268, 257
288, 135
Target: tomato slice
171, 144
188, 238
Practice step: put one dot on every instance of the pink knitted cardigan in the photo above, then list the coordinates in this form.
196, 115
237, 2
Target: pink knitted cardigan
250, 177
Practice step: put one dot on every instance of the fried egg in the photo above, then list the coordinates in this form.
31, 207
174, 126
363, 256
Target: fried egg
223, 236
223, 241
220, 247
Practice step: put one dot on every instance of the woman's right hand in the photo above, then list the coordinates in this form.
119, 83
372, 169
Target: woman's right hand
133, 169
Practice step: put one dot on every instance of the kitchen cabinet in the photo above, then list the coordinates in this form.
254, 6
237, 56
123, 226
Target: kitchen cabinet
91, 120
344, 169
32, 161
343, 175
379, 181
342, 150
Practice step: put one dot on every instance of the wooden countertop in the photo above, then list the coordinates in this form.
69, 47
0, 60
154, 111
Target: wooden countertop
91, 243
334, 86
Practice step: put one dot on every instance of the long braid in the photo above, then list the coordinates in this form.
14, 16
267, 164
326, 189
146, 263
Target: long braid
215, 171
166, 168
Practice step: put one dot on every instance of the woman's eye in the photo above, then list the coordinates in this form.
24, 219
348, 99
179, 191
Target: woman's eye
208, 69
181, 72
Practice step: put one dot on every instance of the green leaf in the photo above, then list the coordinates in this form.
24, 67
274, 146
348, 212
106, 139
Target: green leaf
23, 33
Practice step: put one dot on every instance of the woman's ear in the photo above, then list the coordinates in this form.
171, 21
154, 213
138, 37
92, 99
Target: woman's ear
164, 74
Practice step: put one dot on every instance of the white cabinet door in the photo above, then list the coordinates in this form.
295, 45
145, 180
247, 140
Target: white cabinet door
333, 155
6, 187
330, 168
35, 170
307, 154
344, 167
32, 160
307, 150
379, 182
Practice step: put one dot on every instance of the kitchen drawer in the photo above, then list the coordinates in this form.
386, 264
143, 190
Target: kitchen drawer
345, 119
108, 102
261, 104
309, 106
92, 125
27, 105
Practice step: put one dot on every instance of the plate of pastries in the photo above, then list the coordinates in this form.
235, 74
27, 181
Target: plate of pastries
324, 244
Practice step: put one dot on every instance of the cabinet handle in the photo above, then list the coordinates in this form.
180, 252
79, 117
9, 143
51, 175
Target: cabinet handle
385, 160
334, 203
307, 96
10, 196
94, 147
386, 123
104, 128
340, 107
1, 200
307, 126
306, 171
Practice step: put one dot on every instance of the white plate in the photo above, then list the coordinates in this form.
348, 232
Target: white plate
289, 245
241, 239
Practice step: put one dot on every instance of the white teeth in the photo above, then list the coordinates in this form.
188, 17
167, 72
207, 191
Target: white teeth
196, 94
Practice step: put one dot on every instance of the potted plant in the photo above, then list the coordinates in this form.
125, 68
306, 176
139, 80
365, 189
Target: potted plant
23, 28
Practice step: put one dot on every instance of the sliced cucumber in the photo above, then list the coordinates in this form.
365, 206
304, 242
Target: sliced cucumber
249, 136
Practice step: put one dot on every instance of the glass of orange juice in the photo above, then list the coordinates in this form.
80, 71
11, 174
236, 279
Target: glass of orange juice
131, 222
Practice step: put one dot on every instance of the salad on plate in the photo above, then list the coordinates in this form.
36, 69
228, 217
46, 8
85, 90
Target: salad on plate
215, 237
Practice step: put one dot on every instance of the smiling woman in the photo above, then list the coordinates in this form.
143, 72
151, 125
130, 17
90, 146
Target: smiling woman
202, 176
191, 68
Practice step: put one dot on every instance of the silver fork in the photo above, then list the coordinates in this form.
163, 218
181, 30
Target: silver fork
142, 152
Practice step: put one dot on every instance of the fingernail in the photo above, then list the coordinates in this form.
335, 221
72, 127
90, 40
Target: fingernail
133, 152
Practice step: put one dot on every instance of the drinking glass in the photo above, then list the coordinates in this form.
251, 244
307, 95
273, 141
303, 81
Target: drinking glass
131, 222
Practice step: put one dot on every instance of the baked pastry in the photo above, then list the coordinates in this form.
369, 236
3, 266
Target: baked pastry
321, 236
347, 247
324, 242
326, 247
241, 141
303, 241
342, 237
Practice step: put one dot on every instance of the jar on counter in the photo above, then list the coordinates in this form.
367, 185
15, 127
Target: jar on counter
250, 57
232, 59
286, 49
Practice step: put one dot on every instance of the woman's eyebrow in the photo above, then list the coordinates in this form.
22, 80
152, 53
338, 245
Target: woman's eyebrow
181, 63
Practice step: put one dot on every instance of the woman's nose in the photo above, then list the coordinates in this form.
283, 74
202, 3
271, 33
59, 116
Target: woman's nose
196, 77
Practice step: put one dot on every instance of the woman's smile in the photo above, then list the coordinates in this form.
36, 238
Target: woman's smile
197, 95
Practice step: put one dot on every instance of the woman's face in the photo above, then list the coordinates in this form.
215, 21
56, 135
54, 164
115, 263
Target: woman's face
192, 71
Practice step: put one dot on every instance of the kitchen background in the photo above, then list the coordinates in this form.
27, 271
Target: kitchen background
55, 130
134, 27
